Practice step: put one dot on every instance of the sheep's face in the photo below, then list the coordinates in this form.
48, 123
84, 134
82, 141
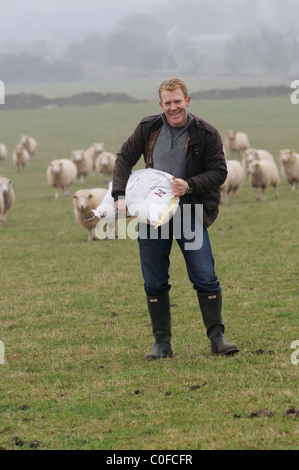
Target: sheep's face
231, 135
77, 156
5, 186
253, 167
250, 155
285, 156
99, 147
19, 149
105, 160
83, 200
56, 167
24, 140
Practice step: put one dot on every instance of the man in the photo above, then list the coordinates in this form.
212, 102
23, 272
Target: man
191, 150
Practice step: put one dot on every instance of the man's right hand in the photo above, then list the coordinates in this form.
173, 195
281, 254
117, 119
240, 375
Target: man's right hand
120, 206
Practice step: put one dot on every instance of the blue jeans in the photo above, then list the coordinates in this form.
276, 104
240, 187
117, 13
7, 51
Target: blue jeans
154, 250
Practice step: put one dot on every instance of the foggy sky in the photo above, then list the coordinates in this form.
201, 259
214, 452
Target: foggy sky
62, 21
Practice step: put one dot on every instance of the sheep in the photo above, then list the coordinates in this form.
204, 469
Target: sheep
105, 163
8, 195
235, 142
3, 152
61, 173
289, 165
29, 144
20, 157
84, 201
262, 174
234, 180
254, 154
83, 162
94, 151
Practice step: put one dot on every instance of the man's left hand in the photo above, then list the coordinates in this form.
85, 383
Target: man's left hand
179, 186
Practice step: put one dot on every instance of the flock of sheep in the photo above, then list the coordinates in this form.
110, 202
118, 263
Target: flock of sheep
257, 164
61, 174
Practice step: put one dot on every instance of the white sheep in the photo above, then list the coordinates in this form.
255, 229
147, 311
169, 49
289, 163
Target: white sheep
254, 154
8, 195
105, 163
235, 142
3, 152
289, 165
20, 157
94, 151
234, 180
263, 173
84, 201
83, 162
61, 173
29, 144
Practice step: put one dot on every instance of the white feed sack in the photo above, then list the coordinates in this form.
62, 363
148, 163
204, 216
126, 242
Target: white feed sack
149, 198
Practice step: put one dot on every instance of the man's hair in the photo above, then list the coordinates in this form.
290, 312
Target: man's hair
173, 84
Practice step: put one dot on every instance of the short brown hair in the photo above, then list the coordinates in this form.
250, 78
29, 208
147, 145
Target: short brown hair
173, 84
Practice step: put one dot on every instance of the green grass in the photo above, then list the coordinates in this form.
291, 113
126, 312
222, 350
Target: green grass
74, 319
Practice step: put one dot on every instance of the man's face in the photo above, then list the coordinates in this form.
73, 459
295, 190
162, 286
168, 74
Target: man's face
175, 107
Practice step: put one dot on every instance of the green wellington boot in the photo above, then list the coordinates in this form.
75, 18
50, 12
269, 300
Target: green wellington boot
159, 310
211, 307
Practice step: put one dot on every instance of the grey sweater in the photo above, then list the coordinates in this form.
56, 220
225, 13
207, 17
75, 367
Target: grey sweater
169, 151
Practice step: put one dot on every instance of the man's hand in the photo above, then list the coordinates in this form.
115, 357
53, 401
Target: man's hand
120, 206
179, 186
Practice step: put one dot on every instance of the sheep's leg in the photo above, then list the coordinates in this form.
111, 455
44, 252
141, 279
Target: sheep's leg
224, 198
256, 194
93, 233
276, 192
294, 186
89, 236
56, 193
263, 194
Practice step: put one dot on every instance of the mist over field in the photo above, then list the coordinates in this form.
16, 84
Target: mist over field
93, 40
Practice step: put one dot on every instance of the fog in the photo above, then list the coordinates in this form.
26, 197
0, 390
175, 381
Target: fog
89, 39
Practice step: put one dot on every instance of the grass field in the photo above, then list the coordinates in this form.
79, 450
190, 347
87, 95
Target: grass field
74, 320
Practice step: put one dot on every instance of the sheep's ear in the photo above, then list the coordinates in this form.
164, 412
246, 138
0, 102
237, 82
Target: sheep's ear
75, 197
